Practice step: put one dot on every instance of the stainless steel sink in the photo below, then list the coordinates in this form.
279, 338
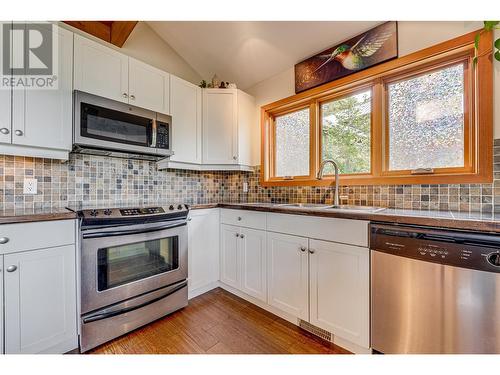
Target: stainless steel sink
348, 207
302, 205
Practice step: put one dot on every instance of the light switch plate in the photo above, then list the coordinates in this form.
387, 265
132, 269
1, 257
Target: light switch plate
30, 186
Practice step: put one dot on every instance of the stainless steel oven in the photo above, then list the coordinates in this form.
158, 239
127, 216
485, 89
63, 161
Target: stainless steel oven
133, 269
104, 126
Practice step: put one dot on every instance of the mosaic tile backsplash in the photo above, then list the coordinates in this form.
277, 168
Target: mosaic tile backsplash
106, 181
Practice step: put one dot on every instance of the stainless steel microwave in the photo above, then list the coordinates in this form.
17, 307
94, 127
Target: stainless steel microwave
108, 127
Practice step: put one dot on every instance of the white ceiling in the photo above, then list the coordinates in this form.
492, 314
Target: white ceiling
249, 52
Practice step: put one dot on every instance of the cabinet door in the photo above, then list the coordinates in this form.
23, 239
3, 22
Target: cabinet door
339, 277
229, 257
100, 70
287, 264
40, 301
253, 263
5, 102
203, 245
185, 105
148, 87
220, 127
43, 117
248, 129
1, 304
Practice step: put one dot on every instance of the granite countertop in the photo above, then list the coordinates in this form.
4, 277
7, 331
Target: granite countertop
444, 219
30, 214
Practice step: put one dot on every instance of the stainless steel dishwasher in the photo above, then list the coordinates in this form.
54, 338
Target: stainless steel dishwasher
434, 291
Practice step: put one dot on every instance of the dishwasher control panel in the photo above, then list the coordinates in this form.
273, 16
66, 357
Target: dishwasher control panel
455, 248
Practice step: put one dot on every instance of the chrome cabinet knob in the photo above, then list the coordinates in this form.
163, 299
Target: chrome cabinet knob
303, 249
11, 268
311, 251
4, 131
239, 218
242, 236
125, 95
237, 234
3, 240
190, 218
132, 97
235, 158
18, 132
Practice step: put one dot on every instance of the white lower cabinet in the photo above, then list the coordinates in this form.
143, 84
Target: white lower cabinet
339, 290
40, 301
203, 248
252, 248
1, 305
287, 275
229, 258
243, 260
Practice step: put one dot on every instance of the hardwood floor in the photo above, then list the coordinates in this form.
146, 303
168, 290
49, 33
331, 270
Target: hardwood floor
219, 322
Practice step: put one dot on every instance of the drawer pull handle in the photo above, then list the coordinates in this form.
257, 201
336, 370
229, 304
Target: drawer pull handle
11, 268
3, 240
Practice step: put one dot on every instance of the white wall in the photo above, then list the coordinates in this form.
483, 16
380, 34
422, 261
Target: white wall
145, 45
412, 36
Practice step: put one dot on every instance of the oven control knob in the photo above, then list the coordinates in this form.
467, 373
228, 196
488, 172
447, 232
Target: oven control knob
179, 207
171, 207
494, 259
93, 213
107, 212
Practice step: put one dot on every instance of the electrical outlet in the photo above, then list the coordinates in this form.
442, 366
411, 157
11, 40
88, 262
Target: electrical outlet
245, 187
30, 186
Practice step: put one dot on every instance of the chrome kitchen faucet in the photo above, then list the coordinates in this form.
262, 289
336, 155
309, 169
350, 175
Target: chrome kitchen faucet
336, 201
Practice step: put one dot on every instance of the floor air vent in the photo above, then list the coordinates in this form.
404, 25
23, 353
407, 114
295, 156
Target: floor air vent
306, 326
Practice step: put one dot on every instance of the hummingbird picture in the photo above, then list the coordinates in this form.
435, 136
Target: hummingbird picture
360, 52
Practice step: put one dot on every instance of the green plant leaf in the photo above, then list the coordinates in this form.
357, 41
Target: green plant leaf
497, 43
476, 41
497, 55
489, 25
474, 60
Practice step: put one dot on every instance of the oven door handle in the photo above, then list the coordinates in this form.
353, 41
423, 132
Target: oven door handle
142, 229
110, 312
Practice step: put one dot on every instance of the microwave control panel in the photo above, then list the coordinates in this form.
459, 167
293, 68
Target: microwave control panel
162, 135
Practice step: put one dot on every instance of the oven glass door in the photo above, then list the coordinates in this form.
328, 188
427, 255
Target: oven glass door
115, 126
123, 264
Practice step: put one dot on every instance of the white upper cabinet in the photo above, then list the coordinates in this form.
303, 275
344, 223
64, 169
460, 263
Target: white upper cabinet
40, 301
5, 104
340, 294
220, 126
148, 87
100, 70
288, 280
108, 73
185, 105
43, 117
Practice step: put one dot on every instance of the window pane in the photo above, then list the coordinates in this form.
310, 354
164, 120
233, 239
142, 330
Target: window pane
292, 144
426, 120
345, 132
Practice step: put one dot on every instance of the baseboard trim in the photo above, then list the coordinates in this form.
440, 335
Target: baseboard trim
202, 290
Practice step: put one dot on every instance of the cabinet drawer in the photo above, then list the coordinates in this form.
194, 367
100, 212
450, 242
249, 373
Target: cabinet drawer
39, 235
353, 232
242, 218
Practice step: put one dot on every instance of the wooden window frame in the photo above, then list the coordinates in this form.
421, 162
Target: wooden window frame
478, 117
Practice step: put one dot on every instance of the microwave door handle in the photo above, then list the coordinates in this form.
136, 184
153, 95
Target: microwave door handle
110, 312
154, 132
142, 229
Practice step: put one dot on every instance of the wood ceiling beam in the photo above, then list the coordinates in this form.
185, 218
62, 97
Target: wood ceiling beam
114, 32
